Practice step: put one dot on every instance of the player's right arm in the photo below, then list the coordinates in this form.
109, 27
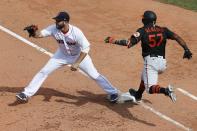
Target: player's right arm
84, 46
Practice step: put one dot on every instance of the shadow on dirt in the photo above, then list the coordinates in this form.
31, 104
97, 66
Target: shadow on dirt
83, 98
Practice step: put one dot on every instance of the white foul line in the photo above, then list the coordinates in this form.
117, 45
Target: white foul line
165, 117
187, 93
32, 44
25, 40
50, 54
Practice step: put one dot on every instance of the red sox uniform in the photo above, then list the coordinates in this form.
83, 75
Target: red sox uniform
70, 46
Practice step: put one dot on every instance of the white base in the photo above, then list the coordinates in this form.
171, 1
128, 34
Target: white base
125, 97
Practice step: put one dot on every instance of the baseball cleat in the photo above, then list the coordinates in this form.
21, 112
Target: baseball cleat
21, 96
171, 93
113, 98
133, 92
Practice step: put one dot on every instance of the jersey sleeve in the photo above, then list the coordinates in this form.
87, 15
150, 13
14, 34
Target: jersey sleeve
136, 37
47, 31
81, 40
169, 33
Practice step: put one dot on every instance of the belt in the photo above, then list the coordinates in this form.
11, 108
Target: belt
154, 55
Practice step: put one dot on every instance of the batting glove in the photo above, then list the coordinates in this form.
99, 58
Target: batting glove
187, 54
109, 39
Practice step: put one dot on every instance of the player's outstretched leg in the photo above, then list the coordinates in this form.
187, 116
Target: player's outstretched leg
113, 93
88, 67
169, 91
33, 86
38, 79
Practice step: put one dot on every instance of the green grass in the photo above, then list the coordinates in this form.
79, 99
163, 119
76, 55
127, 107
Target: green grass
187, 4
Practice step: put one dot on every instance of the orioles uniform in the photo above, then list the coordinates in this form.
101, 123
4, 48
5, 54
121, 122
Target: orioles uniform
153, 43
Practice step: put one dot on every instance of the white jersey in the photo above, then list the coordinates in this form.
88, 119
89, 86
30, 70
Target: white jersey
71, 43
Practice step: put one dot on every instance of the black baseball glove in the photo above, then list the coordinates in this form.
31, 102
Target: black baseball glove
187, 54
31, 30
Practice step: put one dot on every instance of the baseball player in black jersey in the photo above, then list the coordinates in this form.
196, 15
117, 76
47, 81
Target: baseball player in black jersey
153, 42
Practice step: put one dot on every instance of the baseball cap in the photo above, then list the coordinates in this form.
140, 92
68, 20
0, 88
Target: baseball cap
62, 16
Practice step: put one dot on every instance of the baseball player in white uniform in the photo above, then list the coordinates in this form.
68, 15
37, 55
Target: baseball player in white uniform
73, 50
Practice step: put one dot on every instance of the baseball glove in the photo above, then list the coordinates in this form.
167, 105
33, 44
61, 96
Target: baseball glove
31, 30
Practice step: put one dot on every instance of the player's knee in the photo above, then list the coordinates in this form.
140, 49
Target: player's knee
45, 72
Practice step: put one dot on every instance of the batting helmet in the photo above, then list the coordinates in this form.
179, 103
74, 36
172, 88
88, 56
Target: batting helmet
149, 17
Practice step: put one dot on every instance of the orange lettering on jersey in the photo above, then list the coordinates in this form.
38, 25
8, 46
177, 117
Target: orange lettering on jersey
153, 29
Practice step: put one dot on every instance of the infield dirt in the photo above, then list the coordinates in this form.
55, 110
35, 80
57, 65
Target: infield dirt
68, 101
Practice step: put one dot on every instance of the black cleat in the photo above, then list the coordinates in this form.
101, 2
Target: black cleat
133, 92
22, 97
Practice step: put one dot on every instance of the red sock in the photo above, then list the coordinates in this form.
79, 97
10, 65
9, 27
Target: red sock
156, 89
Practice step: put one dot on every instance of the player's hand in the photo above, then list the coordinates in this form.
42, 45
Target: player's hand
187, 54
74, 67
109, 39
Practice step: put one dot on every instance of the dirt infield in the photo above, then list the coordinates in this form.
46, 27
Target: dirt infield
68, 101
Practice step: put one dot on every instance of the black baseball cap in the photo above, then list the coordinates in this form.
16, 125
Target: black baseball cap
62, 16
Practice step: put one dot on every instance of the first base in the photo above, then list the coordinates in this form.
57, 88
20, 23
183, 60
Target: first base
126, 97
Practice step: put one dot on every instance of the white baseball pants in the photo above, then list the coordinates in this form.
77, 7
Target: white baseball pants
59, 60
152, 67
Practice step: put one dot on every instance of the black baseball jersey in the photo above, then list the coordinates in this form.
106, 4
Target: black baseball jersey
153, 39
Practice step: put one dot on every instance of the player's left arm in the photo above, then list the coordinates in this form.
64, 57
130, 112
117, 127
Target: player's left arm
181, 42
